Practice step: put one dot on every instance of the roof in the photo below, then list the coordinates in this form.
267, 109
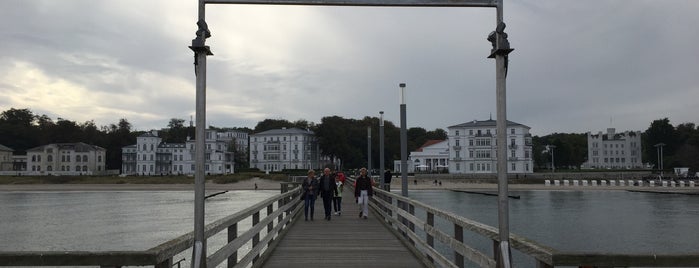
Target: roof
75, 146
486, 123
285, 131
429, 143
5, 148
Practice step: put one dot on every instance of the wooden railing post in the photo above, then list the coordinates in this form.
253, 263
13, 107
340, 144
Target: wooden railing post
430, 238
232, 235
270, 225
411, 225
459, 236
256, 237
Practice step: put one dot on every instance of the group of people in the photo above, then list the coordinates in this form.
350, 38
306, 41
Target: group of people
329, 187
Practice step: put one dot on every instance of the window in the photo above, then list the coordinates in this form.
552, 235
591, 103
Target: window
513, 154
77, 158
470, 142
457, 133
471, 166
49, 168
77, 168
512, 131
470, 132
99, 158
514, 166
49, 158
457, 142
84, 168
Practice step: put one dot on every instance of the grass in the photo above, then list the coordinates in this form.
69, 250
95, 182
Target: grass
168, 179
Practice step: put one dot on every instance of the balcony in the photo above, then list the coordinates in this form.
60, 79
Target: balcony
512, 146
457, 147
457, 158
512, 158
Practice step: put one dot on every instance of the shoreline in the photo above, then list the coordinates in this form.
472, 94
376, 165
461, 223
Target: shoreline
264, 184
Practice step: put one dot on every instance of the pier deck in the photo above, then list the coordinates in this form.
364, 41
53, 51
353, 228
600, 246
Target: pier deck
344, 241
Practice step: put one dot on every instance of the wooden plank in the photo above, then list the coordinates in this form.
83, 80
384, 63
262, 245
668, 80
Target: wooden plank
344, 241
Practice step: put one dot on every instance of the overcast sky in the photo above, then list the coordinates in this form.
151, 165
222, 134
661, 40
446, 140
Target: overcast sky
578, 66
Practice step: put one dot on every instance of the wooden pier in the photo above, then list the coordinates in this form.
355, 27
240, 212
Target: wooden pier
344, 241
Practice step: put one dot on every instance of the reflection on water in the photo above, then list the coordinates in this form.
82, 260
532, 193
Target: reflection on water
136, 220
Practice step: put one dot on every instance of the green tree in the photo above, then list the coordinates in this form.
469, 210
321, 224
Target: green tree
268, 124
660, 131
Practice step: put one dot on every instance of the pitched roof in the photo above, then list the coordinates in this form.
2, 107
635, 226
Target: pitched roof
5, 148
486, 123
284, 131
429, 143
76, 146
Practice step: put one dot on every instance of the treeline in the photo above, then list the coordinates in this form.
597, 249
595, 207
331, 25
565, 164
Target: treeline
341, 138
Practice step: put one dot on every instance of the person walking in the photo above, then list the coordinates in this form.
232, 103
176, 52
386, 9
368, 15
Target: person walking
327, 191
337, 198
387, 176
310, 192
363, 191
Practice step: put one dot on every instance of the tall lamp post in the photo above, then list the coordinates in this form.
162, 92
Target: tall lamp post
403, 143
381, 156
659, 150
368, 135
201, 51
553, 164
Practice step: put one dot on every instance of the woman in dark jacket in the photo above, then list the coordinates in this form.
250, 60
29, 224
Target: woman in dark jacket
310, 192
363, 191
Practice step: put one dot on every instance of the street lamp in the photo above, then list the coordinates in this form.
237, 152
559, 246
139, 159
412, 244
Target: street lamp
659, 150
368, 133
553, 164
403, 143
381, 156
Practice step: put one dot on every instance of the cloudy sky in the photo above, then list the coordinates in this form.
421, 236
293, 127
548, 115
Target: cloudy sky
577, 66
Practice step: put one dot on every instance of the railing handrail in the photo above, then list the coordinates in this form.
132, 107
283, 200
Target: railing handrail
162, 255
544, 255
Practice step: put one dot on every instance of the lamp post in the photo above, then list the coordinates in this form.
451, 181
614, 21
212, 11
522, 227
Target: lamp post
659, 150
381, 147
201, 50
553, 164
403, 143
368, 153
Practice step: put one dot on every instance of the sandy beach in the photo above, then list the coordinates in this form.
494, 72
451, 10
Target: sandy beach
263, 184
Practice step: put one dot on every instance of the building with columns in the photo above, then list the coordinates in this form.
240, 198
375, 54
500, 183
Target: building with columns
473, 148
151, 156
66, 159
613, 150
433, 156
285, 148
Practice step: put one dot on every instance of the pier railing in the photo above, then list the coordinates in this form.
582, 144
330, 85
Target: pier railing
272, 226
419, 232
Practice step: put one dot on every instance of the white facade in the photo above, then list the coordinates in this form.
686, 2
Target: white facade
66, 159
240, 138
614, 150
151, 156
433, 156
5, 158
473, 148
278, 149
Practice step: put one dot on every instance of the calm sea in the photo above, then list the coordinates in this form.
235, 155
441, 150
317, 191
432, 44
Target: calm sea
130, 220
592, 221
598, 221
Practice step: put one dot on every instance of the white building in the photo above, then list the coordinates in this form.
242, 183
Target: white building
473, 148
433, 156
5, 158
239, 138
66, 159
614, 150
278, 149
151, 156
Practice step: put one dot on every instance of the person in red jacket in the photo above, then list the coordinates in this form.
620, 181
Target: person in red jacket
363, 191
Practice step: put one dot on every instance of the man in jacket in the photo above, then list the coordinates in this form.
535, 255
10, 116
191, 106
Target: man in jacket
327, 187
